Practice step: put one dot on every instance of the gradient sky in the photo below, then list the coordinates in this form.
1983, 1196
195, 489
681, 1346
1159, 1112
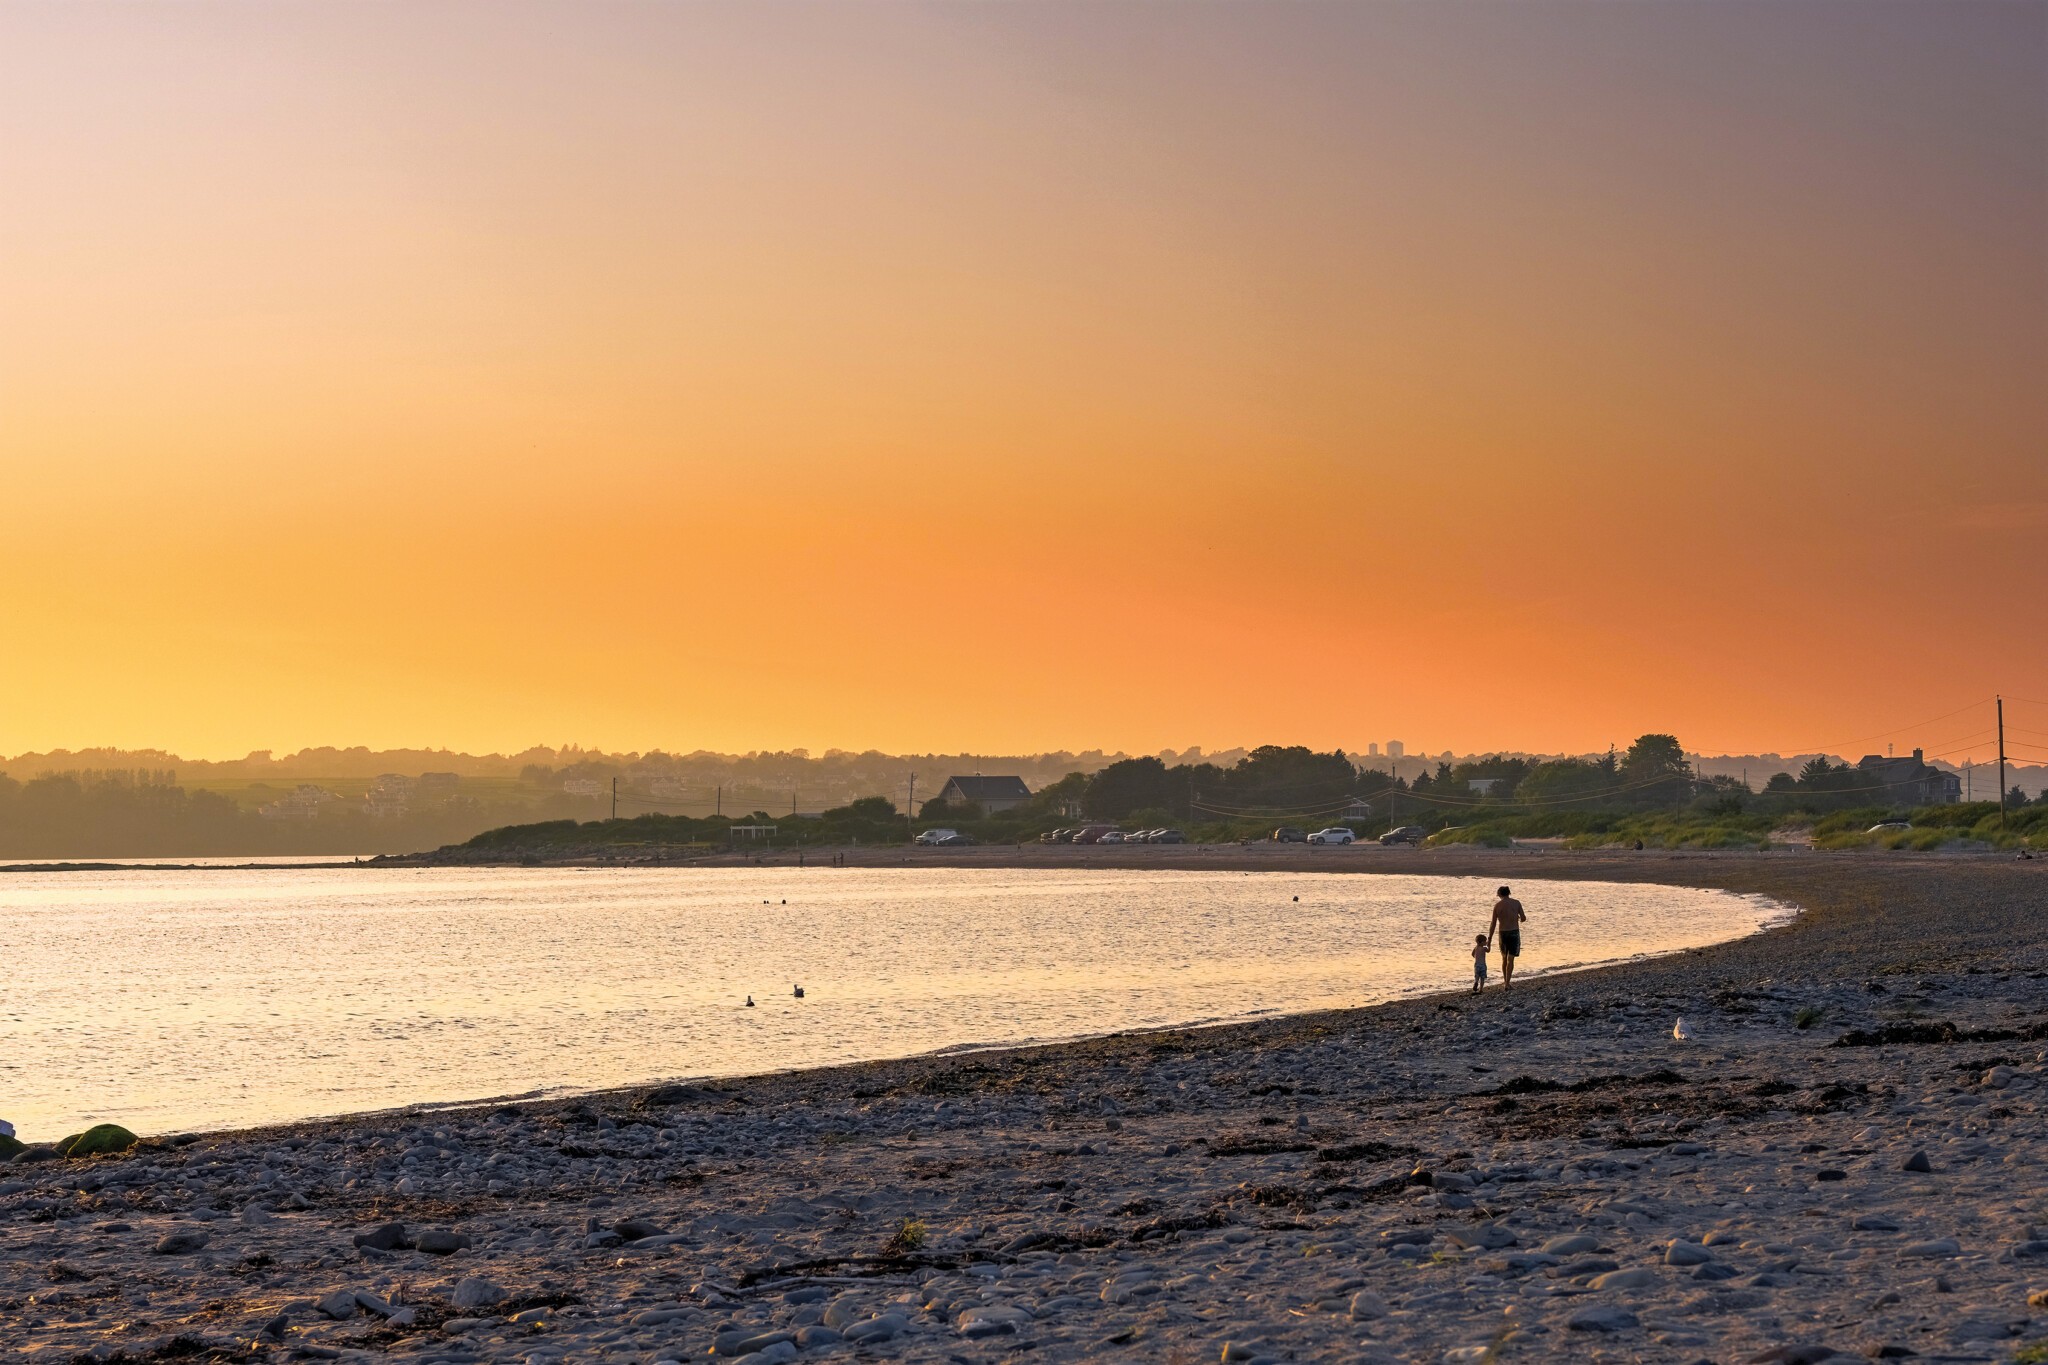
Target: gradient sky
1022, 376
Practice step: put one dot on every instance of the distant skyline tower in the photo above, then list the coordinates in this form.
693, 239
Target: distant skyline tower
1372, 751
1395, 748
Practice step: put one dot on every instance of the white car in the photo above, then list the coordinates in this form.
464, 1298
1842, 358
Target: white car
935, 836
1115, 836
1336, 834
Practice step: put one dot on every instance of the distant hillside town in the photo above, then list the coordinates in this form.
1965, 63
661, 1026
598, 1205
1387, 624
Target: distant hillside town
106, 803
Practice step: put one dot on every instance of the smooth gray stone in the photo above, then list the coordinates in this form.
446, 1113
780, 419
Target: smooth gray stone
877, 1328
1940, 1247
339, 1305
1602, 1317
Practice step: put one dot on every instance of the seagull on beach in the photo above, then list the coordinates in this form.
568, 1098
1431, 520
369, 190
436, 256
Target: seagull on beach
799, 992
750, 1002
1682, 1031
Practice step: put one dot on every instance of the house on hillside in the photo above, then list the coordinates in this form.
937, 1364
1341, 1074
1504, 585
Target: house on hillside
302, 804
1910, 781
389, 795
990, 794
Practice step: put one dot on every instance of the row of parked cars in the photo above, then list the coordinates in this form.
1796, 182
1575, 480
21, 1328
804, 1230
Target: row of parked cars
1110, 834
1338, 834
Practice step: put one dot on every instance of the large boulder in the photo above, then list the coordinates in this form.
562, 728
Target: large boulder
9, 1145
99, 1140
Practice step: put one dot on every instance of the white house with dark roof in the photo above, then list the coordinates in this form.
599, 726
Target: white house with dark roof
991, 794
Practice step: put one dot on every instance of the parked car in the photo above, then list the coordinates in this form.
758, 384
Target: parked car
935, 836
1406, 834
1112, 836
1143, 836
1288, 834
1091, 834
957, 841
1168, 836
1335, 834
1065, 836
1052, 836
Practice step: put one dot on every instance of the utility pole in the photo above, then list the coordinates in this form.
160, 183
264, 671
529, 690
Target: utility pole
910, 802
615, 798
2001, 763
718, 800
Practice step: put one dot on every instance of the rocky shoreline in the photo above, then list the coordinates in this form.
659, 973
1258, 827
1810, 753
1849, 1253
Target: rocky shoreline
1843, 1159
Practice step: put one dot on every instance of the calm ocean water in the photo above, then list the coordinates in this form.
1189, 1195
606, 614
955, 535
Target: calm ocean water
169, 1000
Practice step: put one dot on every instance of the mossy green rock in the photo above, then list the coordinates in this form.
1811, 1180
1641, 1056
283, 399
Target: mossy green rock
106, 1137
9, 1146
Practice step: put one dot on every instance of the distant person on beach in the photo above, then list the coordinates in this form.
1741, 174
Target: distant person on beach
1478, 963
1507, 922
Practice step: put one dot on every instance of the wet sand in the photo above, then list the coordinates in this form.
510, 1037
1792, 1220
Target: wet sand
1531, 1174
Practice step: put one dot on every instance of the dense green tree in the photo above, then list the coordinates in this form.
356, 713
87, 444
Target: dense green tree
1125, 786
1656, 771
1567, 781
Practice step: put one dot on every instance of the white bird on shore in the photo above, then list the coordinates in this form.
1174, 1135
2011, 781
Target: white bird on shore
1682, 1031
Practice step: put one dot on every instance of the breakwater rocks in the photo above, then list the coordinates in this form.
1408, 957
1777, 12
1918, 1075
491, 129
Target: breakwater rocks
1546, 1174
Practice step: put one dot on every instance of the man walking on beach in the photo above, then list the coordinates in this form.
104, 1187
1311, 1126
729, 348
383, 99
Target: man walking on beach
1507, 920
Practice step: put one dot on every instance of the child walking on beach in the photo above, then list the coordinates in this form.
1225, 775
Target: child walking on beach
1478, 963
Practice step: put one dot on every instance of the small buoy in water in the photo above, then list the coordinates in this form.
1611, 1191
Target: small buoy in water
799, 992
1682, 1031
750, 1002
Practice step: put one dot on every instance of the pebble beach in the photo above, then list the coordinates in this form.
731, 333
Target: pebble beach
1840, 1160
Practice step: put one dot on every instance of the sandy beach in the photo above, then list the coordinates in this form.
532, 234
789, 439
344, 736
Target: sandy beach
1840, 1160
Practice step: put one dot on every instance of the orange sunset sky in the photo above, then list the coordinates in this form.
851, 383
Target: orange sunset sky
1018, 377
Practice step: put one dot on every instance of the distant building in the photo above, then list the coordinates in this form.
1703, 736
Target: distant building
1372, 750
1910, 781
1359, 809
990, 794
583, 786
303, 804
389, 795
1395, 748
1483, 785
